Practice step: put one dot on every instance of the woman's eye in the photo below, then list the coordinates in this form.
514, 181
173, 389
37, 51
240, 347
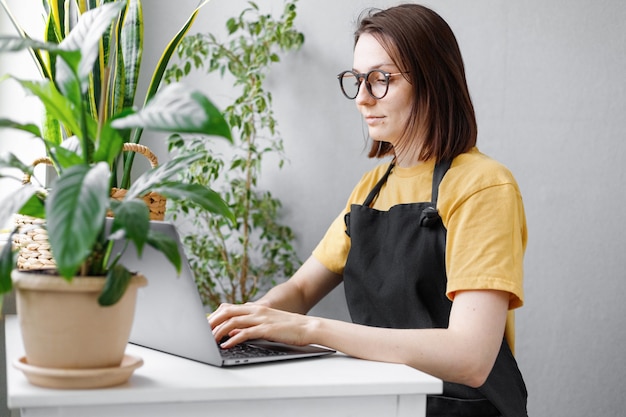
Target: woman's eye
377, 78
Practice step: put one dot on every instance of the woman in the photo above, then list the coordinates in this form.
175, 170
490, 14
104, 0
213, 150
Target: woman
430, 245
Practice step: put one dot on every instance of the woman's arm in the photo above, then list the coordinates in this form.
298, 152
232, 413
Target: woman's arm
464, 352
311, 282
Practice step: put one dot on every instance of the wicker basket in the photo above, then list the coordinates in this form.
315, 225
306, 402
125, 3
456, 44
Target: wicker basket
32, 241
31, 238
155, 201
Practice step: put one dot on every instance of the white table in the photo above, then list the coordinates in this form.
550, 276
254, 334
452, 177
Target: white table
168, 386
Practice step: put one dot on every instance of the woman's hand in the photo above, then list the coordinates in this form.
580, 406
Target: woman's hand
279, 315
254, 321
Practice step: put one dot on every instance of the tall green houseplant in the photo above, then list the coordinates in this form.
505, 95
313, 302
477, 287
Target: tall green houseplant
75, 206
233, 262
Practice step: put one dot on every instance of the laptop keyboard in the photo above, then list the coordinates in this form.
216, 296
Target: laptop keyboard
249, 351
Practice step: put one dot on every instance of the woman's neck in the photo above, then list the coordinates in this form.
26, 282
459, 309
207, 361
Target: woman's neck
407, 158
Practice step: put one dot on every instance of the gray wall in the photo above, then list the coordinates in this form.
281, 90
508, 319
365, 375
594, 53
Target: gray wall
547, 79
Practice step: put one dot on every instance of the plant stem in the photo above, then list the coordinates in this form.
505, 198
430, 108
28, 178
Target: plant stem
249, 141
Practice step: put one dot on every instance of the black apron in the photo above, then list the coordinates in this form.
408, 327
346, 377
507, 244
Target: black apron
395, 277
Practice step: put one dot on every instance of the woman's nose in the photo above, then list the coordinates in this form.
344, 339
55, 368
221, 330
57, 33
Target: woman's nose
363, 96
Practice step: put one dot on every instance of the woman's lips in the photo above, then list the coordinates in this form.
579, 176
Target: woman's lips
372, 120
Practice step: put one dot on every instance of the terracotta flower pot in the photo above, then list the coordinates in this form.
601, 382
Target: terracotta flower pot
64, 327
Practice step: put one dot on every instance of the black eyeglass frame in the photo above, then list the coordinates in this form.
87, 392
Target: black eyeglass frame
360, 77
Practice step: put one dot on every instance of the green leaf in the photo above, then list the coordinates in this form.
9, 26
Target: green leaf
34, 207
58, 105
16, 44
231, 25
15, 201
133, 217
204, 197
109, 144
167, 246
178, 109
65, 157
51, 129
66, 77
75, 209
159, 175
9, 160
85, 37
26, 127
7, 263
57, 22
115, 286
130, 53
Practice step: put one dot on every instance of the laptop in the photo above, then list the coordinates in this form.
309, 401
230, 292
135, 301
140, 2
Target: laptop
171, 318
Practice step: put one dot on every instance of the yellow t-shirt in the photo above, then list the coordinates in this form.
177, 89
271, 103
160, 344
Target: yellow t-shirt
482, 210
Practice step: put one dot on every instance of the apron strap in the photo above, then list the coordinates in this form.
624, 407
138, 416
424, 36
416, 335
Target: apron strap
430, 215
440, 170
372, 195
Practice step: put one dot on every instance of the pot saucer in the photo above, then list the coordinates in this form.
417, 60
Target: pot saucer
79, 378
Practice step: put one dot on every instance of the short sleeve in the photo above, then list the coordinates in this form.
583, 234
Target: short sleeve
332, 250
486, 241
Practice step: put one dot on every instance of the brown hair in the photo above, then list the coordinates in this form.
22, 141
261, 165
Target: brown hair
421, 43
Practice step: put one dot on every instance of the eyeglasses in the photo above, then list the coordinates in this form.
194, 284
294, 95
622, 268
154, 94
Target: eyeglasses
376, 82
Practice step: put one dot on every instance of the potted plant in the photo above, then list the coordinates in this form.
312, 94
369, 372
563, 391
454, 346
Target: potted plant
75, 206
115, 73
235, 261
